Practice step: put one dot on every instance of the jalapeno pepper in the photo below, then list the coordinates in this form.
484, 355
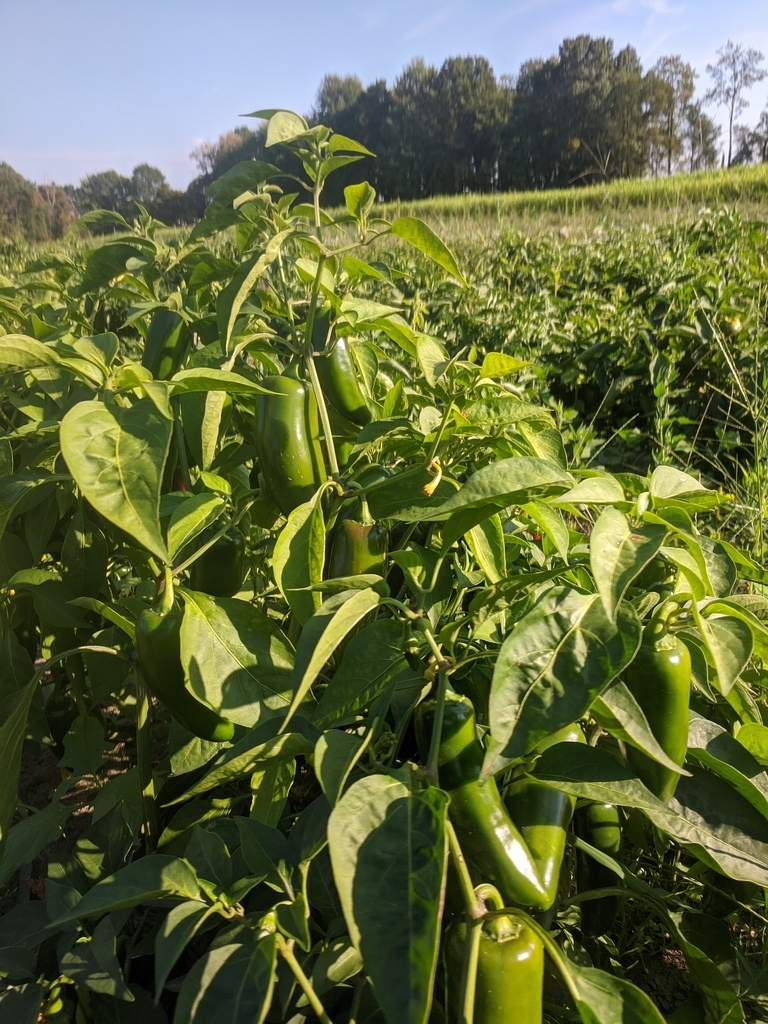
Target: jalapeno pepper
287, 438
598, 825
660, 681
158, 646
337, 372
165, 344
493, 847
543, 815
359, 544
219, 570
510, 968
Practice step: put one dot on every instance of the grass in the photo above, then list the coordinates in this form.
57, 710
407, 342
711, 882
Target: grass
634, 201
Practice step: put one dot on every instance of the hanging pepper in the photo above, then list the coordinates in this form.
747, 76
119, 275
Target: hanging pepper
359, 543
287, 434
337, 372
510, 967
158, 646
660, 681
598, 825
543, 815
165, 344
493, 847
219, 571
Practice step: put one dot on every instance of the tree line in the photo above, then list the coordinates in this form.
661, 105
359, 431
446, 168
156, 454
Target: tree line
587, 114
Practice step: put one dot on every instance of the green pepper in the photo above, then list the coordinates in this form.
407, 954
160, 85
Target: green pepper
510, 968
165, 344
288, 441
359, 544
543, 815
219, 571
158, 646
357, 548
494, 849
660, 681
598, 825
337, 372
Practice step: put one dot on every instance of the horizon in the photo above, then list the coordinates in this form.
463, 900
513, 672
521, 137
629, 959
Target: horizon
62, 125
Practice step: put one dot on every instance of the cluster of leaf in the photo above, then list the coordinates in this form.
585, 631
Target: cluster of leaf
298, 873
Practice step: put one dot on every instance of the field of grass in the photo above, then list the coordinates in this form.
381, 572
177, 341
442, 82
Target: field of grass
636, 201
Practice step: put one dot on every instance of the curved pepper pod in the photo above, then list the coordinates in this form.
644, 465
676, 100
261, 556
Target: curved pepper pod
494, 849
219, 571
287, 438
543, 815
158, 646
598, 825
510, 971
338, 373
660, 681
165, 344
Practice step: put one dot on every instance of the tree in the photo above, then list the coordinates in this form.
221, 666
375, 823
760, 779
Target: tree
673, 92
336, 94
148, 185
56, 208
701, 135
736, 71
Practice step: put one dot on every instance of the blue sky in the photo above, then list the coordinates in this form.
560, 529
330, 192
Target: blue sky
88, 85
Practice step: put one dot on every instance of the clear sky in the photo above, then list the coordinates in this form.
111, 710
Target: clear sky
89, 85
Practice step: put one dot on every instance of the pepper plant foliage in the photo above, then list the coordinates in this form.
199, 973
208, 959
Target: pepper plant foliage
306, 869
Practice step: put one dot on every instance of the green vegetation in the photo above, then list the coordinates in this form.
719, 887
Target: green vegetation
337, 570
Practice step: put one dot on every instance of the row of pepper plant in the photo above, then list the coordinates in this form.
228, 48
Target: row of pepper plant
406, 697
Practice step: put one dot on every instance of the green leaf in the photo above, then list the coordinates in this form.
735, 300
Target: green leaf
618, 553
230, 984
497, 364
386, 839
12, 734
618, 713
553, 664
298, 558
728, 642
706, 815
671, 488
208, 378
231, 298
235, 658
28, 838
208, 854
486, 542
498, 412
176, 931
261, 747
190, 518
144, 881
507, 482
373, 661
359, 199
422, 237
323, 634
283, 126
600, 489
93, 964
715, 749
84, 557
18, 352
117, 458
336, 754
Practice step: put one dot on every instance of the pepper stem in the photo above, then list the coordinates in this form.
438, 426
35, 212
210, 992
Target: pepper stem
286, 951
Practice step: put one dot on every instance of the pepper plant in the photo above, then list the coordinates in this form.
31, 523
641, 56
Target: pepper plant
371, 643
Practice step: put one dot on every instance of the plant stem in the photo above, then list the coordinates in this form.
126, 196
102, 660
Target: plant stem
472, 905
286, 951
144, 759
437, 727
310, 358
469, 972
440, 432
181, 446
